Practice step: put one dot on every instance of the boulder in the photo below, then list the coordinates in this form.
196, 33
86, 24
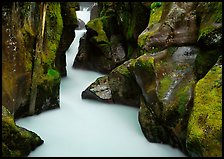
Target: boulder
17, 141
119, 87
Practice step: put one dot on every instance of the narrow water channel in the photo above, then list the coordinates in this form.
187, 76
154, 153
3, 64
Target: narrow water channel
82, 128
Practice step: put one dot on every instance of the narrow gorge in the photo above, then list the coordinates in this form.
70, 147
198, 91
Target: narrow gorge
112, 79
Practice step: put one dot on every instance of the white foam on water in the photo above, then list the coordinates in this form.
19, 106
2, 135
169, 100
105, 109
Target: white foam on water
82, 128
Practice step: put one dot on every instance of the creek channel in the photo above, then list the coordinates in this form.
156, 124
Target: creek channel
88, 128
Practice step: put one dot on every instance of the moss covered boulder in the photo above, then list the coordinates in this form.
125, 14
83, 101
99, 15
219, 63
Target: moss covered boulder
204, 132
17, 141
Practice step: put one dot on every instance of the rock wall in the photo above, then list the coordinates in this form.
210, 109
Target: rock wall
31, 41
180, 45
32, 37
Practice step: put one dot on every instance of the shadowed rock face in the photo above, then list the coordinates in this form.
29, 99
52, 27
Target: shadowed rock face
30, 81
16, 141
70, 23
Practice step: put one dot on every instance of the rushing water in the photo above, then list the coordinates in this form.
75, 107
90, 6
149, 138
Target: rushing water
82, 128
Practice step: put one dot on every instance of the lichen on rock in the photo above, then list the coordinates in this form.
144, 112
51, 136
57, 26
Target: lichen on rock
204, 132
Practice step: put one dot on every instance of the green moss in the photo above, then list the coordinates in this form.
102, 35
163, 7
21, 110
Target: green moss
53, 74
155, 16
206, 116
164, 86
145, 62
105, 8
182, 97
130, 51
97, 26
27, 36
143, 38
205, 31
156, 13
155, 5
53, 31
122, 70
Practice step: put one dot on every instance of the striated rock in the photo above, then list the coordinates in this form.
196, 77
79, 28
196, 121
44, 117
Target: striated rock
204, 131
30, 81
17, 141
70, 23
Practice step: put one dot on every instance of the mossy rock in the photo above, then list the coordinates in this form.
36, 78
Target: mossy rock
156, 12
99, 36
153, 25
210, 15
53, 32
204, 132
123, 86
17, 141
